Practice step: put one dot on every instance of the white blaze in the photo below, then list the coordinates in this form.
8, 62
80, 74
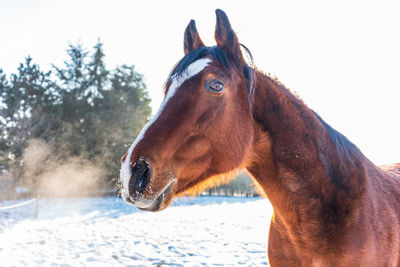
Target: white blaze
177, 81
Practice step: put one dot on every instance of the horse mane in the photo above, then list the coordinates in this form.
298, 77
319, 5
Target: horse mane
344, 147
196, 54
215, 51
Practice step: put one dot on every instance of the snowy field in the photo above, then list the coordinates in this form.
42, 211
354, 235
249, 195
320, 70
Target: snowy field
203, 231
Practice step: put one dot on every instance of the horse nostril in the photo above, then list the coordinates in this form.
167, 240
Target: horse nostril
140, 178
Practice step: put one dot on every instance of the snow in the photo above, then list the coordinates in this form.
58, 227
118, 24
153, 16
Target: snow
105, 231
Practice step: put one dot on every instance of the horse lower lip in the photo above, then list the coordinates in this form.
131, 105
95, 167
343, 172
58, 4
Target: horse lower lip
156, 204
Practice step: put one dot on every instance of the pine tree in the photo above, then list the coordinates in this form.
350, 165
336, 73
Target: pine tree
123, 111
4, 146
102, 110
25, 100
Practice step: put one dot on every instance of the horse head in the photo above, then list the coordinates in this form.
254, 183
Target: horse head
203, 129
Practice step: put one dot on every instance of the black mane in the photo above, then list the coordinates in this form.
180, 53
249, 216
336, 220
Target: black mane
194, 55
343, 145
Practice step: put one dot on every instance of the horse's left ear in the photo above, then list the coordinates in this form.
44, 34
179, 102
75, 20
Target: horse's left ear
228, 41
226, 37
192, 38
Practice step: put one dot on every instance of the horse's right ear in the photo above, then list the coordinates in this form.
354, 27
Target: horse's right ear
192, 39
226, 37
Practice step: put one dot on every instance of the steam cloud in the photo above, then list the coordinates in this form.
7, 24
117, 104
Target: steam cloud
53, 176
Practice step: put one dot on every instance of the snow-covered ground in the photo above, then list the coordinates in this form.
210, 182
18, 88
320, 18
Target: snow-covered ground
203, 231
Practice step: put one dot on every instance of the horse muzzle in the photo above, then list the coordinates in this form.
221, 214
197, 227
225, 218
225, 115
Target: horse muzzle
143, 192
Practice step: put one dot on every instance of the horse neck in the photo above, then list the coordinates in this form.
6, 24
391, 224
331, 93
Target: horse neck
298, 160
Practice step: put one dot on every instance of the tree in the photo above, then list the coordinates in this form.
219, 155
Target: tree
73, 85
81, 110
4, 146
24, 101
122, 112
102, 109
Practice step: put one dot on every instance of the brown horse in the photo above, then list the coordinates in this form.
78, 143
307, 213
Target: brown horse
332, 206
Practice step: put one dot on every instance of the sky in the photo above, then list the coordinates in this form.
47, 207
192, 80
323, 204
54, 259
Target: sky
341, 57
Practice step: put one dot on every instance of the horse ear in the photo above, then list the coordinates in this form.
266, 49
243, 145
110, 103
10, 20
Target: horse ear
226, 37
192, 39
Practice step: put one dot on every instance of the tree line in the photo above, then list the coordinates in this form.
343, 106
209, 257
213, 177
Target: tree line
80, 109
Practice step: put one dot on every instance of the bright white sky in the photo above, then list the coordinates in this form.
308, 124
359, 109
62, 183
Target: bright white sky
341, 57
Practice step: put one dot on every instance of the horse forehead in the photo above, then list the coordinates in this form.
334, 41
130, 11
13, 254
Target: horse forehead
192, 70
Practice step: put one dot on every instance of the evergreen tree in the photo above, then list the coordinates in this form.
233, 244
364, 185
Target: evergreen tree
81, 110
102, 109
4, 146
25, 100
123, 111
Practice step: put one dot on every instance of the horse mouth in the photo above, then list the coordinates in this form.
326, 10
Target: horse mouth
162, 201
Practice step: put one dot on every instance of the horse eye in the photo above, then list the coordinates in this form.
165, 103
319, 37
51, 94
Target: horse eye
215, 86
